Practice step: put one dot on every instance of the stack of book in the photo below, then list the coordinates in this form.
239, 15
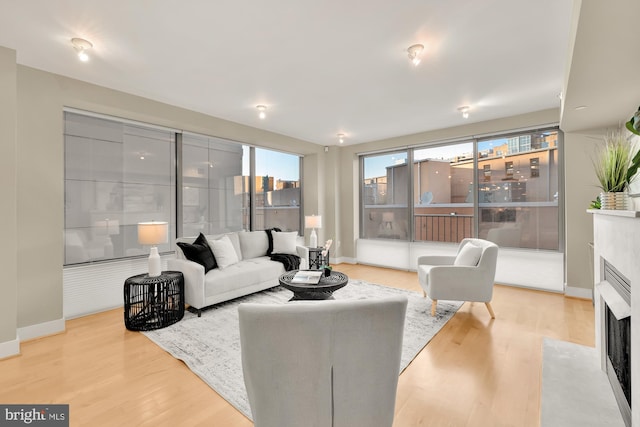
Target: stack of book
307, 277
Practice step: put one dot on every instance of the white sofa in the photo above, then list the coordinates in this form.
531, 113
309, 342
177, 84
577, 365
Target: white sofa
254, 270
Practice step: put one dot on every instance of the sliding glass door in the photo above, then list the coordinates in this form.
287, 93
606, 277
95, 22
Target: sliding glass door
518, 190
385, 196
443, 193
504, 189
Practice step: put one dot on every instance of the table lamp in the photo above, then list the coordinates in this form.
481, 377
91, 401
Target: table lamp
313, 222
153, 233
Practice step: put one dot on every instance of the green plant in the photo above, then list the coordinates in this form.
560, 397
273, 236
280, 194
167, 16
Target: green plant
615, 165
633, 125
595, 204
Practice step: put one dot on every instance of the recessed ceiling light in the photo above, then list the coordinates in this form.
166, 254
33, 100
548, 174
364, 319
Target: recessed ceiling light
465, 111
81, 46
262, 111
341, 137
414, 53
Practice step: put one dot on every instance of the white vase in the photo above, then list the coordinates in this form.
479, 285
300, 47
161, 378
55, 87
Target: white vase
614, 200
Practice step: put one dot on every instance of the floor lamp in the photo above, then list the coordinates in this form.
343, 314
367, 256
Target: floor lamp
153, 233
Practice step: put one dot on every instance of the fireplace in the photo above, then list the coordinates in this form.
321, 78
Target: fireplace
617, 308
617, 339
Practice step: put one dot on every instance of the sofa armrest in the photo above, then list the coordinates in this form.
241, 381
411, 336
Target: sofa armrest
436, 260
193, 273
462, 283
303, 253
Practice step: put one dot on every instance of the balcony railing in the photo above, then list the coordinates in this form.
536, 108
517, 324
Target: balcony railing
443, 228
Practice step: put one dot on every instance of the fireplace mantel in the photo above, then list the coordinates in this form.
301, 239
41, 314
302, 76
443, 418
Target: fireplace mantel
626, 214
617, 240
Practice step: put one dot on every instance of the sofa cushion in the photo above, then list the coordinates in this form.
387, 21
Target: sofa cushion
200, 252
246, 273
469, 255
224, 252
253, 244
235, 241
285, 242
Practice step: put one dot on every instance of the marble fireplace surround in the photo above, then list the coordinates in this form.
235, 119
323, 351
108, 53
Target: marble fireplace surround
617, 240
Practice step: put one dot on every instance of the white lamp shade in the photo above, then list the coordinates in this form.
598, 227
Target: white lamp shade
313, 221
153, 233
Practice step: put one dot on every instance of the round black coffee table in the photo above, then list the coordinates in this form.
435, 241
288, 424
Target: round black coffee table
323, 290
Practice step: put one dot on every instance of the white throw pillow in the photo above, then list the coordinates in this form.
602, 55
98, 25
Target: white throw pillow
224, 252
469, 255
253, 244
235, 241
285, 242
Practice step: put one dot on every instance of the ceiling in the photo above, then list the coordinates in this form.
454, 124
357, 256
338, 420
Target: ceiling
603, 78
321, 67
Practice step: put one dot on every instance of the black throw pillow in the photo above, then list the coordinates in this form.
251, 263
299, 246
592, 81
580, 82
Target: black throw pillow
200, 252
270, 236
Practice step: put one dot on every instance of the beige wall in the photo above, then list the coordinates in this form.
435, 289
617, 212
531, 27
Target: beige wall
8, 218
581, 187
40, 198
38, 248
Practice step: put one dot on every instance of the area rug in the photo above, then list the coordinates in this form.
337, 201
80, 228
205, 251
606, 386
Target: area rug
210, 345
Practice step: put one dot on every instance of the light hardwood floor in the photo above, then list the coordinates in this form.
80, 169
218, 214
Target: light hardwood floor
475, 372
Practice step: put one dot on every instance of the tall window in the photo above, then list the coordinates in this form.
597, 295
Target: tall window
515, 205
213, 189
520, 208
385, 193
116, 175
443, 192
277, 190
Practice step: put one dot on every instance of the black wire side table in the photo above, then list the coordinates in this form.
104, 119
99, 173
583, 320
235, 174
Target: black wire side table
153, 302
316, 260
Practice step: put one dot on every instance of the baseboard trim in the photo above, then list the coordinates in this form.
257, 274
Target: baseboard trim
584, 293
9, 348
345, 260
41, 330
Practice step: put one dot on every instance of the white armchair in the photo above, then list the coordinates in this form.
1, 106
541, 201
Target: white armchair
468, 276
322, 363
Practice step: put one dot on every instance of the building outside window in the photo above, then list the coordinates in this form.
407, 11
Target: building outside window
277, 190
534, 167
508, 170
443, 192
486, 172
385, 194
508, 207
515, 210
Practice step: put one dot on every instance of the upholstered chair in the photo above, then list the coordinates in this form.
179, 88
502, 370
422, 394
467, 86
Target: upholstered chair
322, 363
467, 276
